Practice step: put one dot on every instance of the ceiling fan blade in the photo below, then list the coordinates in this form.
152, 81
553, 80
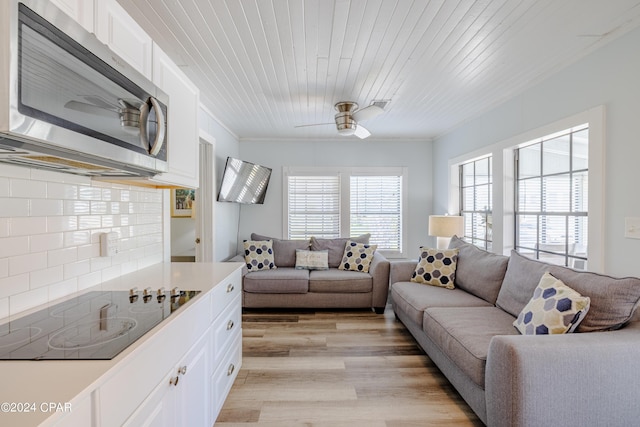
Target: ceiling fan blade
314, 124
91, 109
367, 113
361, 132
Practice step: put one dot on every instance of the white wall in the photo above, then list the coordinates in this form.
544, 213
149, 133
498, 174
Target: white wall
50, 226
183, 236
608, 77
416, 155
227, 214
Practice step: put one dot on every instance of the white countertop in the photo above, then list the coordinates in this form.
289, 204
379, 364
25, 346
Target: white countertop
69, 381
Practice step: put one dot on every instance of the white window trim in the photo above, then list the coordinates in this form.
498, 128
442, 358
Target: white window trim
344, 173
503, 181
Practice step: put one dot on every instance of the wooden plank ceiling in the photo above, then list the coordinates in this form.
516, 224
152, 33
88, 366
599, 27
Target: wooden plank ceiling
265, 66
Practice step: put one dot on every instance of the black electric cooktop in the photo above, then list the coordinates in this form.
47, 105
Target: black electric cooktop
97, 325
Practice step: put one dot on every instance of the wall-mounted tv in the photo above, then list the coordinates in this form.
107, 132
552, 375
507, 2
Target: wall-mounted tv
243, 182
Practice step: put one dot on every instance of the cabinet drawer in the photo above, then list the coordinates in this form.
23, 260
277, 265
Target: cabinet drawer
226, 373
225, 292
225, 330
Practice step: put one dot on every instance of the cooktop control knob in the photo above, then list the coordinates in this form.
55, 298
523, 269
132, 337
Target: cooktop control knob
133, 295
175, 292
161, 294
146, 292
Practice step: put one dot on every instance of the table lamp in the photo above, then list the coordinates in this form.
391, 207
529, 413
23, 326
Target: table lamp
444, 227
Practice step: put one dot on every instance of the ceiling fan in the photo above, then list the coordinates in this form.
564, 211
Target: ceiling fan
348, 118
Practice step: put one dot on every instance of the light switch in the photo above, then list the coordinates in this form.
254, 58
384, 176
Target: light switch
632, 228
108, 244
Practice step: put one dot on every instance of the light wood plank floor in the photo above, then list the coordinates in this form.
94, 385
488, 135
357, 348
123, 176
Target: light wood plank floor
337, 368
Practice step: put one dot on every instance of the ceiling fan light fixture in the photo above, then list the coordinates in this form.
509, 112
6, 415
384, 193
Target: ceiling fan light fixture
347, 131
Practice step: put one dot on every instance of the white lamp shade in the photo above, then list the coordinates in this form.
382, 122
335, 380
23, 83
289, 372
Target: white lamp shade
446, 225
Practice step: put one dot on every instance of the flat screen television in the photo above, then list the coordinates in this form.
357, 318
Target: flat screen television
243, 182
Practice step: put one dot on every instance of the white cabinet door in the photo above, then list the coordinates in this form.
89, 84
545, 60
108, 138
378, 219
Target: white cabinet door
115, 28
80, 10
158, 409
193, 398
182, 141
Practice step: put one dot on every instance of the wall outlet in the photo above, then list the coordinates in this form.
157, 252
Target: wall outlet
632, 228
108, 244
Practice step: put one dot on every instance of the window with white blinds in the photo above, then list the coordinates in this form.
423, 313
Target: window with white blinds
343, 202
552, 190
313, 206
376, 208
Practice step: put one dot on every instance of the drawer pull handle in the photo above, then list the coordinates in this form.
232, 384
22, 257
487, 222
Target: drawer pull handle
230, 288
230, 370
182, 370
230, 325
174, 381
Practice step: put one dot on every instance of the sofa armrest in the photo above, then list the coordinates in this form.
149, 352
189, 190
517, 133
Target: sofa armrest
574, 379
379, 271
401, 271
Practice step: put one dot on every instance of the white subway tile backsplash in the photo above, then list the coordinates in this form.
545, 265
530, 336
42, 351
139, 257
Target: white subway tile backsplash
4, 187
45, 242
62, 256
29, 299
76, 207
62, 191
50, 226
25, 188
76, 238
13, 246
24, 226
27, 263
14, 285
46, 207
48, 276
12, 207
62, 223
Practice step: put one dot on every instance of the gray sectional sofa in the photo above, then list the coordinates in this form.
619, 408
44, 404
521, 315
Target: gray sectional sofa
590, 377
288, 287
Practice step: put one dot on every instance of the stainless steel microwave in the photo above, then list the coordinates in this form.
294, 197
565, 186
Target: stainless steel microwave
69, 104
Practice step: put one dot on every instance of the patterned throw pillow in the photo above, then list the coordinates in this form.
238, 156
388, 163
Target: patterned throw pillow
258, 255
312, 260
554, 308
357, 256
436, 267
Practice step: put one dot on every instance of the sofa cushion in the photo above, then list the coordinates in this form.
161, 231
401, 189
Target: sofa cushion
258, 255
613, 300
464, 334
336, 247
312, 260
339, 281
554, 308
436, 267
357, 256
478, 271
284, 251
413, 298
285, 280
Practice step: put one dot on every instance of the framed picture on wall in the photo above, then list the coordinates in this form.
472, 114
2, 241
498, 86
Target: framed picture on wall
182, 202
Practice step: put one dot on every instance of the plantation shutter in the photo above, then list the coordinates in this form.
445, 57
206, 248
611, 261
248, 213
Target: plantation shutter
314, 207
376, 208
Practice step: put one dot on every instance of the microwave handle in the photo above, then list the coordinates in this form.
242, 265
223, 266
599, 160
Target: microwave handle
144, 114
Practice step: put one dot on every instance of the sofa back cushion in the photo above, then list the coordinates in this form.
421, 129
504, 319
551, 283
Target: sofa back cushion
479, 272
336, 247
613, 300
284, 251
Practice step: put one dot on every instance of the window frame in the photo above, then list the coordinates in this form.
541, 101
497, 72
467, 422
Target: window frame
487, 239
344, 174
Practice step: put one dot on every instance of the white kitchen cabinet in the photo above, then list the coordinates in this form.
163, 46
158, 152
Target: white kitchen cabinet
183, 142
115, 28
80, 10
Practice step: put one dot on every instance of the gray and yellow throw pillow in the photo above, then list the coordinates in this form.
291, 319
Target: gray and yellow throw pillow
357, 256
554, 308
436, 267
258, 255
312, 260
